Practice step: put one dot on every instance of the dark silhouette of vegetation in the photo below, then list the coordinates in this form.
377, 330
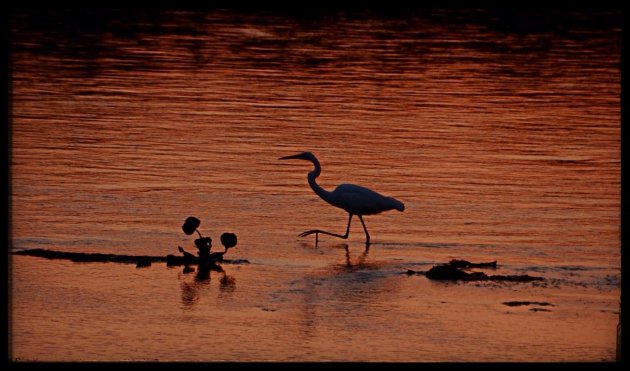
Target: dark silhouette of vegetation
204, 259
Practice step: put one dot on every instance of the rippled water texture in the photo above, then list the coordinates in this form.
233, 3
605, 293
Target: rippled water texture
500, 131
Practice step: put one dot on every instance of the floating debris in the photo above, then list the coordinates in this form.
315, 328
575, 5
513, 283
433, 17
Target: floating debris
452, 272
519, 303
527, 303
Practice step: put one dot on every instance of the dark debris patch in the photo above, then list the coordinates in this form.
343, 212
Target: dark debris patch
453, 271
520, 303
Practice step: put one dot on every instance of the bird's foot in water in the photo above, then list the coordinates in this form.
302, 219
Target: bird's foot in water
306, 233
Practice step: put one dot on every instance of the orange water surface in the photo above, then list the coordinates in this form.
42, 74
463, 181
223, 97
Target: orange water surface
500, 132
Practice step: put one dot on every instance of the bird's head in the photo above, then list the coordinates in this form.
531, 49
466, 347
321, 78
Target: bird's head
308, 156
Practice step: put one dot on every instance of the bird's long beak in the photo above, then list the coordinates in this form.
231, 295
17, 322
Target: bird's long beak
298, 156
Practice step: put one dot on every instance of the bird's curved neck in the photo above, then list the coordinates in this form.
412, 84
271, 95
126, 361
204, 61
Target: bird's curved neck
321, 192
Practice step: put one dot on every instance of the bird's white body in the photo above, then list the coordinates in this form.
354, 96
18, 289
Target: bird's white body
354, 199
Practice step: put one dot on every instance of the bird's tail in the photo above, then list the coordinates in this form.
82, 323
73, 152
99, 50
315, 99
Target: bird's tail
397, 204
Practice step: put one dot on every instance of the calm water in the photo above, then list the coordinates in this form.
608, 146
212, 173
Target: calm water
499, 131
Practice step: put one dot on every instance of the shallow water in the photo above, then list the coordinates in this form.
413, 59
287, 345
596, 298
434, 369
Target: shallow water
499, 132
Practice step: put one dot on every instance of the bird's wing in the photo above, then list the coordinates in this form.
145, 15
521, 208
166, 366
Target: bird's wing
359, 200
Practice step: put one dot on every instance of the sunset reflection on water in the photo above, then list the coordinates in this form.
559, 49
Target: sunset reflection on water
499, 131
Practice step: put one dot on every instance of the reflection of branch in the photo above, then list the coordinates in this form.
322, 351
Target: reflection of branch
228, 283
189, 294
190, 290
202, 275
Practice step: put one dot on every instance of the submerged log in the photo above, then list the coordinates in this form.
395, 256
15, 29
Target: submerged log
91, 257
139, 260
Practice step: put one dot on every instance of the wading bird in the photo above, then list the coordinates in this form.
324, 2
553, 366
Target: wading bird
354, 199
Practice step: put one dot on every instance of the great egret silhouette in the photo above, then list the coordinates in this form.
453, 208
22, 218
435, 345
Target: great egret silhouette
354, 199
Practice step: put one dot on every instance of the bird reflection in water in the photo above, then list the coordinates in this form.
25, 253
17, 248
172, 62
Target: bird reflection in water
360, 262
351, 284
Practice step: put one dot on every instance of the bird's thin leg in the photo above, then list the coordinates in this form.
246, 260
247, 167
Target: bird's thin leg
367, 235
306, 233
348, 227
